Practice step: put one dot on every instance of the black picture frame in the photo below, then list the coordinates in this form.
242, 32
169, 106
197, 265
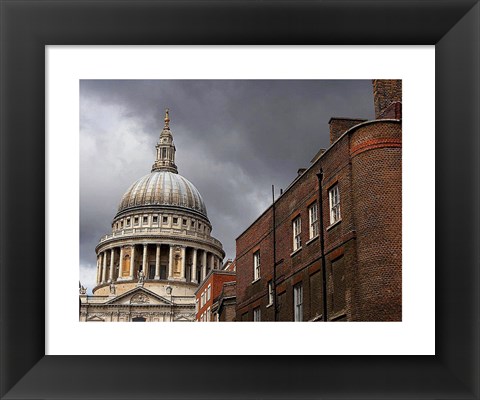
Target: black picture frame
453, 26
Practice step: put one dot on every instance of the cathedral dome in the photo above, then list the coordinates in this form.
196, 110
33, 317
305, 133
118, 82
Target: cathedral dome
163, 188
160, 244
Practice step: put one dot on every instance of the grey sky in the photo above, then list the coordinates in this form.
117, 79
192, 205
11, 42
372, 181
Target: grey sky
234, 139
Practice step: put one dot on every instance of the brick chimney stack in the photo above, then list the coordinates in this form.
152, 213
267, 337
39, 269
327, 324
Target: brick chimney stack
338, 126
387, 97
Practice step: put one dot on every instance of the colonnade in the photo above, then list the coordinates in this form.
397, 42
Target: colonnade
183, 263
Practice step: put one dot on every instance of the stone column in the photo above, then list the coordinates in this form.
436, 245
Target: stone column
204, 265
112, 257
144, 261
212, 265
170, 262
99, 268
157, 263
194, 266
104, 268
120, 264
182, 271
132, 263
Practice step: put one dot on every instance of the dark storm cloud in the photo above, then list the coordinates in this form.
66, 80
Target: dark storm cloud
234, 139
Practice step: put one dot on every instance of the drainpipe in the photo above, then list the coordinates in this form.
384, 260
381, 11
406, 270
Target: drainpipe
274, 284
322, 245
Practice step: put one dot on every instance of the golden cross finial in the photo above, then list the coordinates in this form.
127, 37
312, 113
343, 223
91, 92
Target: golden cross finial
167, 118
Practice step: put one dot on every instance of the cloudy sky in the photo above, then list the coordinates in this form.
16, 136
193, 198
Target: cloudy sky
234, 140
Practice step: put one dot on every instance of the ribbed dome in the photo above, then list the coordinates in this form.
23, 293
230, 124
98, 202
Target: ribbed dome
163, 188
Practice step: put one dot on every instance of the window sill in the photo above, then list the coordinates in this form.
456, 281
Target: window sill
255, 280
337, 315
269, 305
296, 251
334, 224
312, 240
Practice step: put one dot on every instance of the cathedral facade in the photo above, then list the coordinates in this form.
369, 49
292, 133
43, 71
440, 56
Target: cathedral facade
159, 251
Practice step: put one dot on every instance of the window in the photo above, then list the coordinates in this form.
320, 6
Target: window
334, 200
297, 230
313, 220
121, 224
193, 224
209, 313
256, 315
135, 220
270, 292
298, 302
128, 221
184, 221
163, 272
175, 220
165, 220
256, 265
155, 219
202, 300
145, 220
209, 292
164, 152
196, 305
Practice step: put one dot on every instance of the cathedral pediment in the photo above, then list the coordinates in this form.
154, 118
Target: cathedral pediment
139, 296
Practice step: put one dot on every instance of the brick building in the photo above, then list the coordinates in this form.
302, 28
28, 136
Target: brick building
215, 297
224, 306
335, 256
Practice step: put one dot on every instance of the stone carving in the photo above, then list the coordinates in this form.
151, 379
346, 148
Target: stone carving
97, 317
112, 288
139, 298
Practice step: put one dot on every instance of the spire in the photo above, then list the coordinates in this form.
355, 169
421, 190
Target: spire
165, 160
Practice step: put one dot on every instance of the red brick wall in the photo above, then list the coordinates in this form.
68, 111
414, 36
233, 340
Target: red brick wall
227, 311
258, 238
377, 193
216, 280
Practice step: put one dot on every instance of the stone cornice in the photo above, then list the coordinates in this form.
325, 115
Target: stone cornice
133, 306
162, 209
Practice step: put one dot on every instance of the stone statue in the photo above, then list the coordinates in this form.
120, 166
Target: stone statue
112, 288
141, 276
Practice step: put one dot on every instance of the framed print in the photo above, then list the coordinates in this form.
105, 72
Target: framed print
67, 66
27, 372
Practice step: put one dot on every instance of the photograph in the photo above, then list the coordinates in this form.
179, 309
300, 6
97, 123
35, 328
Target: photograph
302, 180
239, 162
